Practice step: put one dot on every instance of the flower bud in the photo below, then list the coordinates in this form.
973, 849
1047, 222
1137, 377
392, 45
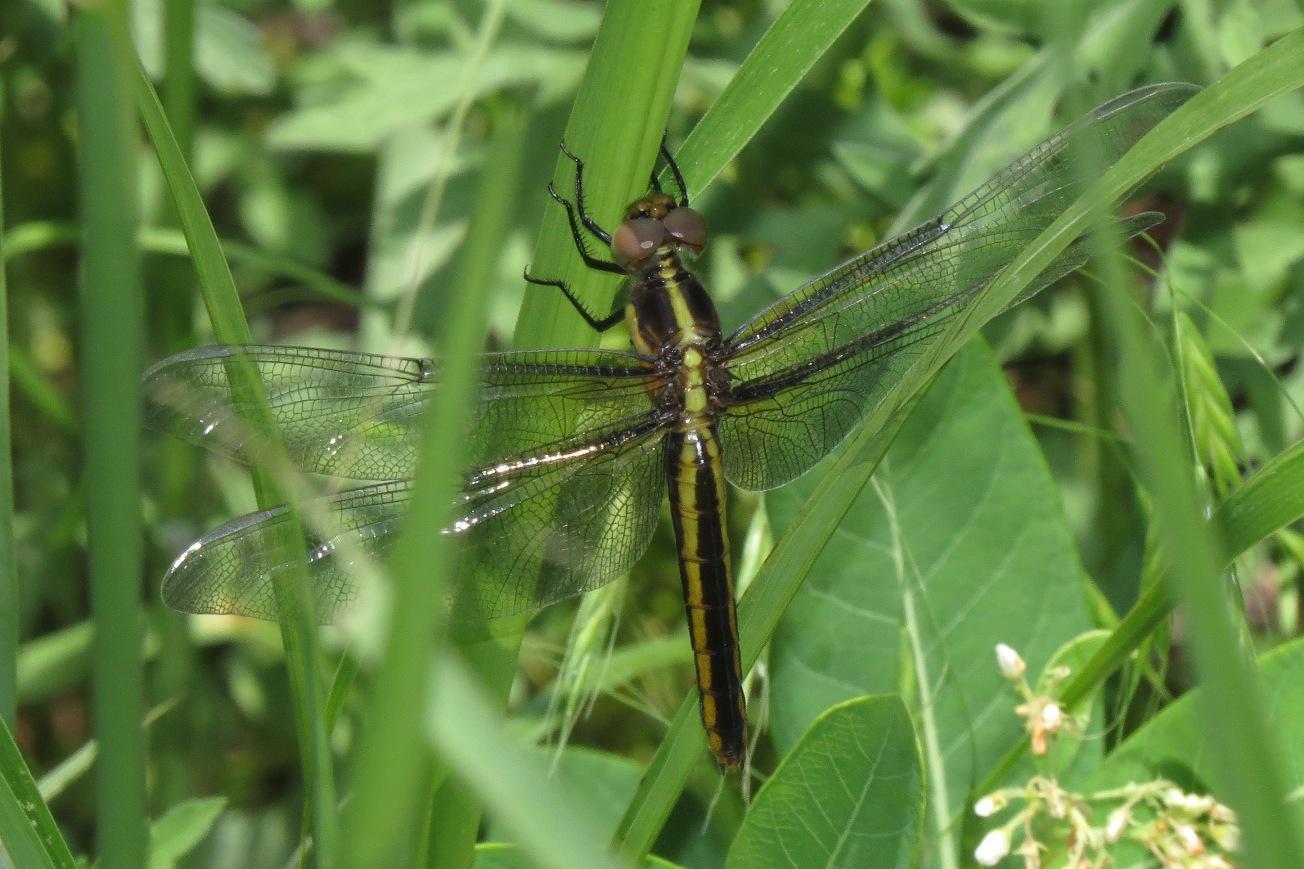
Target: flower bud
989, 805
1009, 662
1115, 825
1190, 839
993, 848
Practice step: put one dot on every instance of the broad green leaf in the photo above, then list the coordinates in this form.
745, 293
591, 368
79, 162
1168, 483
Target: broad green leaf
851, 793
181, 828
960, 545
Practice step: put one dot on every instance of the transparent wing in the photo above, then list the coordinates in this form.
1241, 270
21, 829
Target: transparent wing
357, 415
562, 495
809, 367
530, 530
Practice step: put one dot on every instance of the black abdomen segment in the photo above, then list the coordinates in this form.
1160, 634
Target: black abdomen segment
697, 497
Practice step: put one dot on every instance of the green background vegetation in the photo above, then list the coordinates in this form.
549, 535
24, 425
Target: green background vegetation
372, 176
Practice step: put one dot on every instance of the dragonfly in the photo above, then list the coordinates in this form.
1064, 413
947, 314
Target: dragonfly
571, 452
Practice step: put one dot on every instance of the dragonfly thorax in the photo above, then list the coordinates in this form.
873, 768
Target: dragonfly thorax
669, 309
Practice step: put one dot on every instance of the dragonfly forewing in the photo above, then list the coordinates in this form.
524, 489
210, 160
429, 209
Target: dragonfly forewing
816, 362
358, 415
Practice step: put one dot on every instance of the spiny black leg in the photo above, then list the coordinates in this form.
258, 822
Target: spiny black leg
589, 222
655, 183
597, 325
674, 170
577, 234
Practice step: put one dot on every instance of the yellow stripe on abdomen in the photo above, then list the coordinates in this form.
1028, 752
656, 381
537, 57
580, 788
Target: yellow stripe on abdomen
697, 499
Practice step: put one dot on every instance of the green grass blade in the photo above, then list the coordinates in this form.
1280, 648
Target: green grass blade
298, 629
1266, 502
797, 39
386, 773
112, 356
27, 829
626, 68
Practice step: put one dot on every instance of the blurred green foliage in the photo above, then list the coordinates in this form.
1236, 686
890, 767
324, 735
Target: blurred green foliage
321, 128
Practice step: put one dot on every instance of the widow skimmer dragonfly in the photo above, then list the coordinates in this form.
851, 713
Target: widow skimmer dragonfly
571, 450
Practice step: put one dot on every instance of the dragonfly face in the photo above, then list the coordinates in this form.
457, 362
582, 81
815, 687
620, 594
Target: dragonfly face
573, 448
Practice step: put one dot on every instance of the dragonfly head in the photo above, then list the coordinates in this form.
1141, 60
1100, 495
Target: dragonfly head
653, 221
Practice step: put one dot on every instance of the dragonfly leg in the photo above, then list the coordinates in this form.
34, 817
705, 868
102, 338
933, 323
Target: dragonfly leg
589, 259
597, 325
674, 170
589, 223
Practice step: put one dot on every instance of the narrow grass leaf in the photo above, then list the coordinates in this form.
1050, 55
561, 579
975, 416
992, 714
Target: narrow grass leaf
112, 356
616, 127
799, 37
298, 625
27, 829
392, 760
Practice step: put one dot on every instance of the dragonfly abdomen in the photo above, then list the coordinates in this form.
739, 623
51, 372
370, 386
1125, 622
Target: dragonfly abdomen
697, 501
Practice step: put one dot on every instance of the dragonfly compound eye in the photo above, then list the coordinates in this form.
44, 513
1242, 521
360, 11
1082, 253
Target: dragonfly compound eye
687, 227
636, 240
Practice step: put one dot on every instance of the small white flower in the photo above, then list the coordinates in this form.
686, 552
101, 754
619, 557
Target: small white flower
1197, 804
1115, 825
1216, 861
1174, 797
989, 805
1051, 717
1009, 662
1191, 840
993, 848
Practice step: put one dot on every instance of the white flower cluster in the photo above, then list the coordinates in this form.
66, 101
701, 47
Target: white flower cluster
1178, 828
